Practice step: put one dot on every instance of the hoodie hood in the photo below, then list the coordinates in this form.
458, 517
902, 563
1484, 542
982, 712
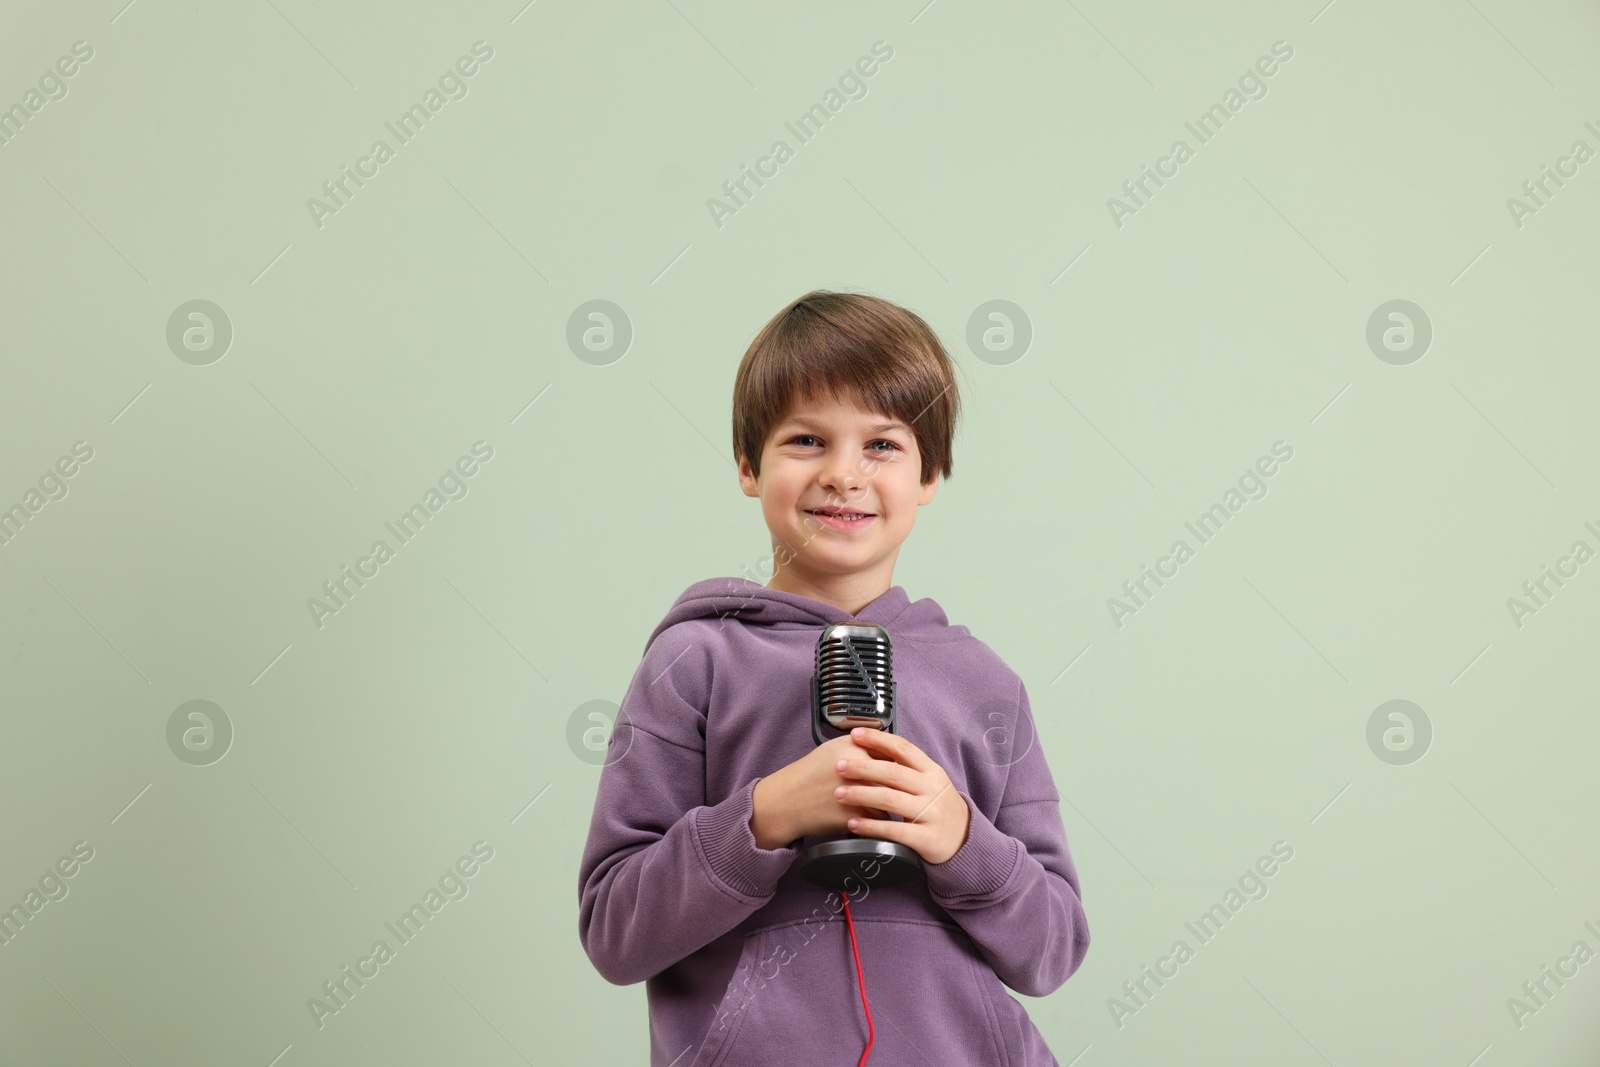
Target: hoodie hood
756, 605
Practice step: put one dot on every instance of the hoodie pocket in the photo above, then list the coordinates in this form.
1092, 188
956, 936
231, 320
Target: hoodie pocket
729, 1014
1022, 1043
794, 997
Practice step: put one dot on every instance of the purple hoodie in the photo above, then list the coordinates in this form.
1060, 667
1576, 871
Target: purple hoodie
745, 963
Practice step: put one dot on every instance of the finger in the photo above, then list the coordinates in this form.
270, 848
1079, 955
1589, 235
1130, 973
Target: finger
892, 745
905, 833
886, 772
926, 805
884, 799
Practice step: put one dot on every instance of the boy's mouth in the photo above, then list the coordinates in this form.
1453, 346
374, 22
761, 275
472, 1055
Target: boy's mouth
840, 518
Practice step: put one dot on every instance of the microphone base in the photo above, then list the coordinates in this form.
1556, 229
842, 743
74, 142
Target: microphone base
854, 863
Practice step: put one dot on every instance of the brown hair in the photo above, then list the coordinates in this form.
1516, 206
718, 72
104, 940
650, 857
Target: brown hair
850, 347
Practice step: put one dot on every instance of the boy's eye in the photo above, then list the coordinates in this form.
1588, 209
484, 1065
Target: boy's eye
802, 439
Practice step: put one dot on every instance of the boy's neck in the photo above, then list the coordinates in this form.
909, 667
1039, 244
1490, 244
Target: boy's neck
847, 592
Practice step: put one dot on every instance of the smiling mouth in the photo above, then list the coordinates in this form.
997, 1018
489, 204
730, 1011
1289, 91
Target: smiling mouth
842, 522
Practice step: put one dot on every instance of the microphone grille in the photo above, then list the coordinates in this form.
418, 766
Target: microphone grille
855, 674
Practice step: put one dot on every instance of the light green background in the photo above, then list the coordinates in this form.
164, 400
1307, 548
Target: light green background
370, 353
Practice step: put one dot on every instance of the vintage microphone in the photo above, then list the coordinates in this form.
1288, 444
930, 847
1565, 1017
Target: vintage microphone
854, 686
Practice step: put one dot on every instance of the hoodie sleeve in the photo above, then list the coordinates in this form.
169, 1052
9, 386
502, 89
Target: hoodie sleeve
1012, 885
664, 873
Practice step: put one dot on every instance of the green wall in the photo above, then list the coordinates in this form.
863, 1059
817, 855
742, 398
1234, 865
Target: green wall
352, 352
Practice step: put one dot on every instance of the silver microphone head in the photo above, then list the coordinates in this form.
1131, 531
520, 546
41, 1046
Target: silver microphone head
855, 676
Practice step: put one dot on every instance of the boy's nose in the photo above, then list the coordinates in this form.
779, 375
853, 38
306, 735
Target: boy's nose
843, 481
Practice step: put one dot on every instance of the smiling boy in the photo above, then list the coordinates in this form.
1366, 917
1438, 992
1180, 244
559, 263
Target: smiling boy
844, 412
829, 458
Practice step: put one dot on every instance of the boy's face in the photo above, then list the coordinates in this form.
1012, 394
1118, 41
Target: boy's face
828, 454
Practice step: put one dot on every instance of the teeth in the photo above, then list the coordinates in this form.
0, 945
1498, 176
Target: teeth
848, 516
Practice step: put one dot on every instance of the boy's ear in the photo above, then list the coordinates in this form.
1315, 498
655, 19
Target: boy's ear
747, 480
926, 496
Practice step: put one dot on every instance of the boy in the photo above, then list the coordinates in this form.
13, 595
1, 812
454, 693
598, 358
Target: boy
844, 405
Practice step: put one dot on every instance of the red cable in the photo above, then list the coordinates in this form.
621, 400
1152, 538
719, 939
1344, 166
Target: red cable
862, 982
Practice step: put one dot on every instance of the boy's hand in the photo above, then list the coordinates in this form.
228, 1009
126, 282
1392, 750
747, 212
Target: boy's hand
901, 779
797, 800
